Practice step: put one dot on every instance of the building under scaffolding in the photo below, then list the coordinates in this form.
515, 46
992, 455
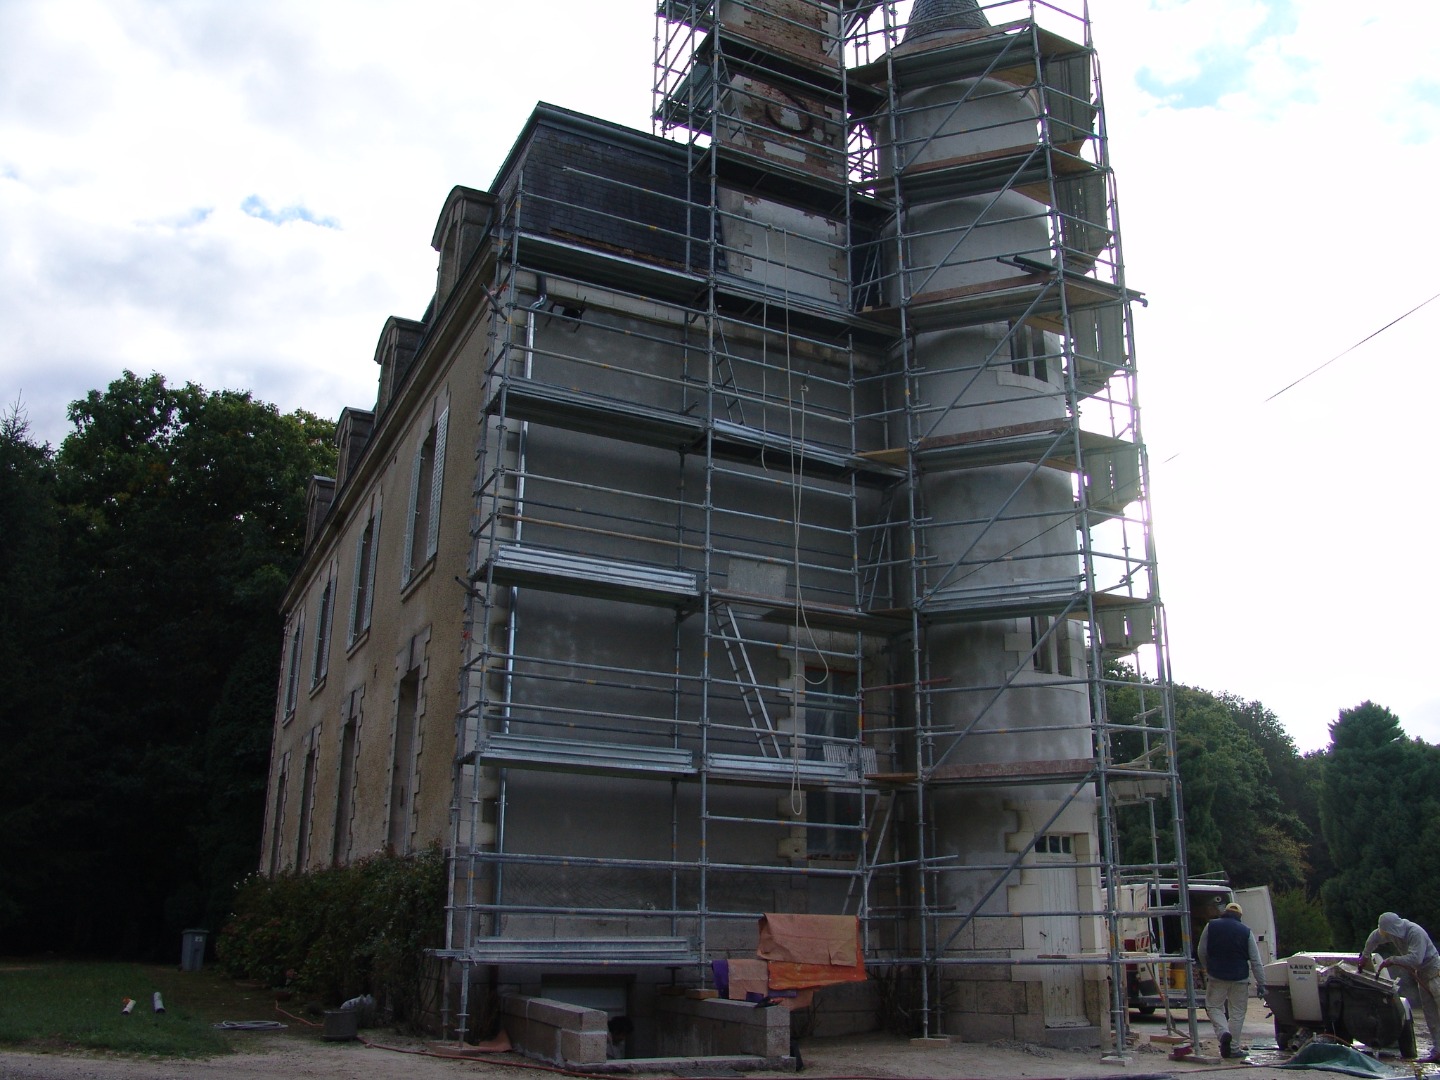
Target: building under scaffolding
771, 490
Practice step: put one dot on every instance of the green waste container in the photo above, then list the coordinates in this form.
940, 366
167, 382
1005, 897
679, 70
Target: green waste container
192, 949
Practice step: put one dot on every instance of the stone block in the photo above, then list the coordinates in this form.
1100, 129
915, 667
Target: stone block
987, 973
555, 1030
964, 995
583, 1047
1025, 897
1035, 998
1082, 1037
1000, 997
999, 934
737, 937
706, 1028
1030, 1028
964, 941
984, 1027
790, 848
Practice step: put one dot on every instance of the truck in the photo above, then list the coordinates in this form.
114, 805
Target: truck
1153, 937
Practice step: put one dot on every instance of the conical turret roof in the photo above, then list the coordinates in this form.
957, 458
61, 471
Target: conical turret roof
939, 16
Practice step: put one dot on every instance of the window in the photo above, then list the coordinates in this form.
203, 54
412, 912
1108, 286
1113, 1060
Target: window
1055, 844
320, 663
292, 676
307, 800
345, 796
277, 813
402, 765
362, 592
427, 474
1029, 355
832, 724
1050, 642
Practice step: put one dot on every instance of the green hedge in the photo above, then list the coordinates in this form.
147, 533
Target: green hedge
338, 933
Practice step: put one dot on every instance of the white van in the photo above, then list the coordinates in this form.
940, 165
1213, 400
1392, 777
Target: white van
1154, 943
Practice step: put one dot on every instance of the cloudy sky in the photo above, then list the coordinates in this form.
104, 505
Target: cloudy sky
238, 195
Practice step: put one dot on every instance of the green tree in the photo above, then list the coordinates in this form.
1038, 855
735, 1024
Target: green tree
1305, 797
181, 518
1300, 923
1228, 752
1380, 812
32, 687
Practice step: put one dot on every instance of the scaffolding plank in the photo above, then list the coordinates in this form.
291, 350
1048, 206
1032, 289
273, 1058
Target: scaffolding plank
1111, 465
573, 410
1125, 623
543, 753
788, 612
624, 270
1029, 295
580, 756
579, 952
752, 769
1005, 52
1048, 444
1026, 169
585, 575
1011, 600
999, 772
753, 299
736, 442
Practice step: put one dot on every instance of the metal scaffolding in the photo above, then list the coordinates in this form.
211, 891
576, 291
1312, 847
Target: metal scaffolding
748, 505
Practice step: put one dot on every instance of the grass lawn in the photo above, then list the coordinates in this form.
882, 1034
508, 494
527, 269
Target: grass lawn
56, 1005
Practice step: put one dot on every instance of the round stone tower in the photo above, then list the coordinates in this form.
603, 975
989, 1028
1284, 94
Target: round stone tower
997, 547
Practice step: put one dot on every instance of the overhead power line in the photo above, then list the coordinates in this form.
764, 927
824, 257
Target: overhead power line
1327, 363
1352, 348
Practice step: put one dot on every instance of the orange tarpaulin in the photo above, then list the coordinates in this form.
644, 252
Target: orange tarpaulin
747, 976
811, 950
810, 939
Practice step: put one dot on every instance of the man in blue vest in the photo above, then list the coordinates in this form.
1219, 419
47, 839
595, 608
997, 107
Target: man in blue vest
1227, 952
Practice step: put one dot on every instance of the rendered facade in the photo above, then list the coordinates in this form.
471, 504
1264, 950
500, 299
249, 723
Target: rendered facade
757, 521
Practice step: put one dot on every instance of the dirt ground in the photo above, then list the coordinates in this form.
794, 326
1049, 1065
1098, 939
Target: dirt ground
300, 1052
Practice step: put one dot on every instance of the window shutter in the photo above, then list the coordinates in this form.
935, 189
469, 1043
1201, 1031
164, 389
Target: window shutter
370, 581
292, 681
326, 630
407, 563
437, 482
362, 570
